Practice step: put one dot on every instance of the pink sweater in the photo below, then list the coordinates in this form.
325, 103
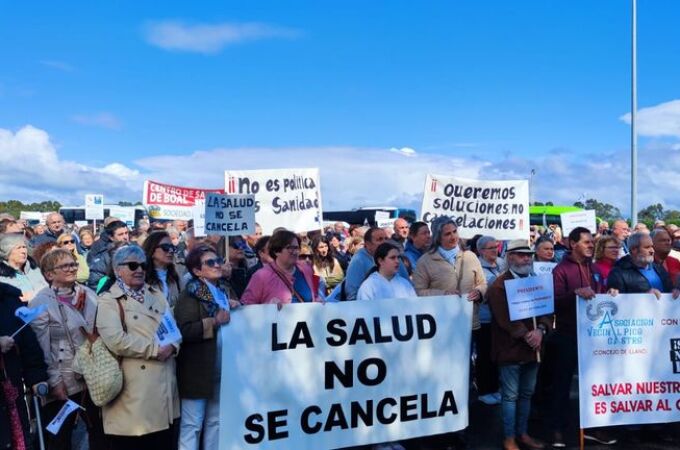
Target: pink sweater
266, 286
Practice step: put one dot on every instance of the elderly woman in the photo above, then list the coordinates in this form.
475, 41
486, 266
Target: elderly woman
286, 279
86, 238
160, 253
70, 308
607, 251
68, 242
17, 268
202, 309
128, 319
325, 265
545, 250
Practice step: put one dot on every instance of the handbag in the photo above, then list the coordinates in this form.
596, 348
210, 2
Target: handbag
100, 368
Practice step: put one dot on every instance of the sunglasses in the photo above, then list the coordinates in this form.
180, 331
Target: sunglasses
134, 265
66, 242
214, 262
168, 248
306, 256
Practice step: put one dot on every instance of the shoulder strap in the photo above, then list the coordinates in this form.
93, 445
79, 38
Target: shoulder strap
64, 323
459, 277
121, 312
288, 285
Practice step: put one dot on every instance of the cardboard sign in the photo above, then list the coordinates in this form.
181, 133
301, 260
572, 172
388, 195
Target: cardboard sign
492, 208
629, 360
288, 198
165, 201
314, 376
94, 207
229, 215
572, 220
530, 296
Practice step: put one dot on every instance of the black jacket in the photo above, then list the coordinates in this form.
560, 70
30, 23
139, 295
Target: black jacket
99, 260
24, 363
627, 278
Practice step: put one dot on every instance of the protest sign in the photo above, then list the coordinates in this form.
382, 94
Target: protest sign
55, 425
543, 268
168, 331
530, 296
571, 220
33, 216
94, 207
318, 377
229, 215
289, 198
198, 213
124, 213
496, 208
628, 359
165, 201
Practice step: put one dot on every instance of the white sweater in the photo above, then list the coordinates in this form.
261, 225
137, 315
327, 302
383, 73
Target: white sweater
377, 286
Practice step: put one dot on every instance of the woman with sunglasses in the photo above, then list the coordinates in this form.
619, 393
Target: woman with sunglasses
286, 279
160, 254
325, 265
68, 242
71, 308
128, 318
203, 307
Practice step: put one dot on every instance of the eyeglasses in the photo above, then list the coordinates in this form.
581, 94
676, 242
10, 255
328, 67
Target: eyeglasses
134, 265
213, 262
67, 242
292, 248
67, 267
168, 248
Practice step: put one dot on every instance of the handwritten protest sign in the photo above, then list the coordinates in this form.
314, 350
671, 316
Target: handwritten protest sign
530, 296
628, 359
168, 331
229, 215
571, 220
543, 268
165, 201
289, 198
347, 374
496, 208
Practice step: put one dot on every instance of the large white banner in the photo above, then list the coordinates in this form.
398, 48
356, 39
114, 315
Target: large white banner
165, 201
629, 359
495, 208
320, 377
289, 198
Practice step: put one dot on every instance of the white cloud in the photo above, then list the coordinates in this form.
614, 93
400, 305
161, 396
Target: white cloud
657, 121
404, 151
102, 120
58, 65
210, 38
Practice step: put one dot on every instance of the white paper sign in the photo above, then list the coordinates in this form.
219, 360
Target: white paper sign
571, 220
385, 223
124, 213
628, 359
229, 215
543, 268
199, 218
289, 198
65, 411
168, 331
530, 296
401, 365
494, 208
94, 207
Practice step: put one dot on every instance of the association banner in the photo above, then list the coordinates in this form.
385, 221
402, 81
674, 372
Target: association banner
288, 198
165, 201
530, 296
629, 360
494, 208
325, 376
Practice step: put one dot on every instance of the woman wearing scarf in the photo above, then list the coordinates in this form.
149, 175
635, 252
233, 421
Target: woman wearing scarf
70, 312
17, 268
21, 364
160, 254
128, 318
447, 269
203, 307
68, 242
286, 279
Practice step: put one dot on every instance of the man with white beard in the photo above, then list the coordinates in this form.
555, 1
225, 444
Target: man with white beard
515, 346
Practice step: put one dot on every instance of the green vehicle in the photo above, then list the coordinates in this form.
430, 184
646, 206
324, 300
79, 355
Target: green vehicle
546, 215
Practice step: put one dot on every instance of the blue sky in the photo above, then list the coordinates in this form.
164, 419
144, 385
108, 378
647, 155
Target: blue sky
488, 88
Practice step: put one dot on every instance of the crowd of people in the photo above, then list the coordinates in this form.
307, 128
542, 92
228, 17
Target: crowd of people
116, 284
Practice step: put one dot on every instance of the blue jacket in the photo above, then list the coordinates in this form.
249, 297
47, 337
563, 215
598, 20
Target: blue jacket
99, 260
412, 253
362, 262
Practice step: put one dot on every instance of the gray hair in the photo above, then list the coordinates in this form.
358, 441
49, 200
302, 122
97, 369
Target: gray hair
436, 227
657, 231
635, 239
126, 252
482, 241
172, 231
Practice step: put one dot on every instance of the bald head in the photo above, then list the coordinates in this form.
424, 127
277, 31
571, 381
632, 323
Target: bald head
621, 230
55, 223
401, 228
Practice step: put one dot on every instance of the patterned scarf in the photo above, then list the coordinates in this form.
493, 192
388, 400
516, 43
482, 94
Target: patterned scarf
201, 292
137, 294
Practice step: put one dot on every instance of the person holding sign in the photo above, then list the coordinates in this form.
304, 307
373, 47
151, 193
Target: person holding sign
202, 308
128, 318
17, 268
515, 346
384, 281
69, 314
286, 279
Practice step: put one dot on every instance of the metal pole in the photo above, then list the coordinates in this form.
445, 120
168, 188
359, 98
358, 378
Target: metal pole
633, 130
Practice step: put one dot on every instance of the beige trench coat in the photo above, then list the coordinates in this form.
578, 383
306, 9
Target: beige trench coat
53, 336
149, 401
434, 276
